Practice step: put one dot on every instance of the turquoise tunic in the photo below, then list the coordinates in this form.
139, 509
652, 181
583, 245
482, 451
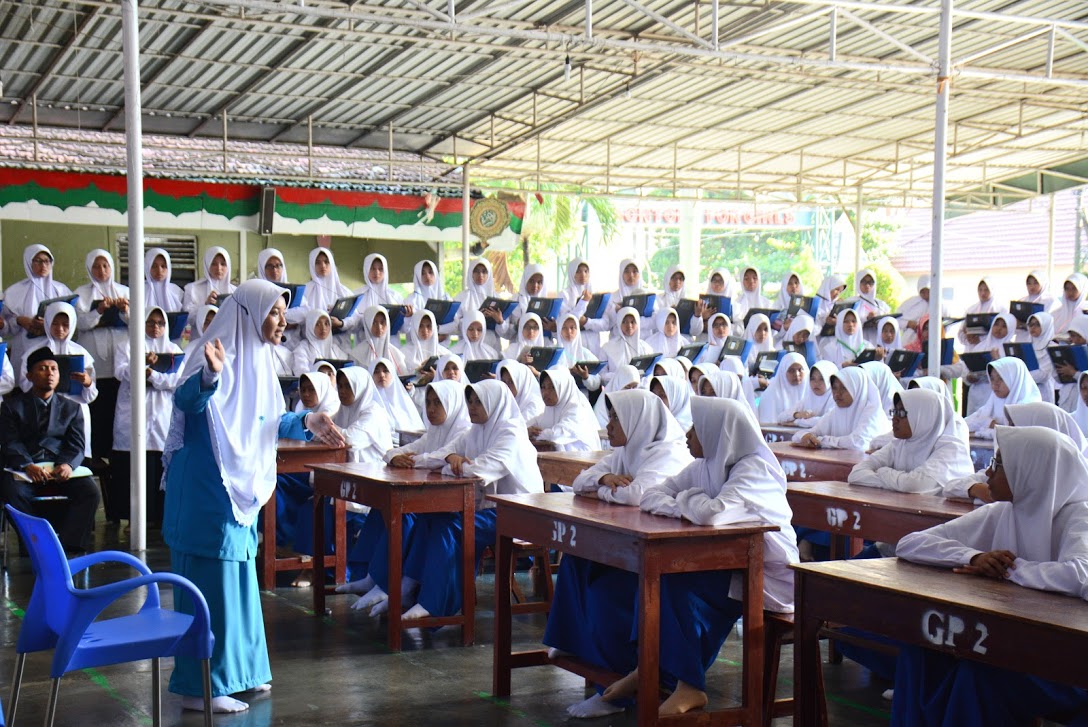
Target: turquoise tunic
210, 548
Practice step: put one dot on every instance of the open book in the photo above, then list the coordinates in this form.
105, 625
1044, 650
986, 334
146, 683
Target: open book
20, 476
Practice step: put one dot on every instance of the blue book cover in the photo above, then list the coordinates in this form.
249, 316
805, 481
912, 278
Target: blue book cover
396, 317
505, 307
594, 367
643, 303
176, 322
948, 353
1075, 356
718, 303
905, 363
737, 346
691, 352
1024, 352
807, 349
297, 290
597, 305
168, 363
345, 307
645, 364
685, 312
111, 318
444, 310
803, 304
477, 370
544, 357
67, 366
546, 308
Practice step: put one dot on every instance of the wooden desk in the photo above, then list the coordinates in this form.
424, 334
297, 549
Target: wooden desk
802, 464
982, 451
292, 456
561, 468
995, 622
394, 493
868, 513
627, 538
778, 433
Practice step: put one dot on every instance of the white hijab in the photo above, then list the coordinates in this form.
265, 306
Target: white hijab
810, 401
473, 296
163, 294
528, 388
262, 259
243, 414
574, 292
161, 344
829, 283
669, 298
989, 306
1022, 389
38, 289
326, 349
428, 292
402, 412
221, 287
451, 394
729, 284
571, 420
197, 325
751, 298
916, 306
781, 398
64, 346
419, 350
574, 351
623, 289
365, 421
504, 435
932, 420
521, 342
782, 301
1045, 414
750, 333
678, 395
800, 322
523, 292
373, 348
884, 380
625, 376
375, 294
328, 402
324, 292
673, 368
726, 385
1081, 413
108, 289
847, 346
1045, 338
658, 341
714, 343
652, 433
621, 348
468, 350
894, 323
864, 416
997, 343
1044, 295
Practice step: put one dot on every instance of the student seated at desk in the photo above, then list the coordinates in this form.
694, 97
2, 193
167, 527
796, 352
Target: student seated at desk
1035, 535
448, 423
473, 344
626, 377
734, 479
450, 367
567, 421
524, 386
1011, 384
927, 451
884, 380
398, 404
496, 451
593, 607
786, 390
676, 396
318, 343
817, 397
855, 419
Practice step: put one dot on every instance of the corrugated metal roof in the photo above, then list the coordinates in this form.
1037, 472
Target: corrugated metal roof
647, 99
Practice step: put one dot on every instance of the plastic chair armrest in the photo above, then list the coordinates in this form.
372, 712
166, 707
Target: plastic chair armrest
108, 556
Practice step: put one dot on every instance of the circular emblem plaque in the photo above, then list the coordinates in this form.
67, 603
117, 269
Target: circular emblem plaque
488, 218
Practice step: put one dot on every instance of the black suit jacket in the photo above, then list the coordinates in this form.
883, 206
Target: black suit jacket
64, 439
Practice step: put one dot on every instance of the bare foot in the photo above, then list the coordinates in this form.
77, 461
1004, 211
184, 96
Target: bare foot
304, 579
220, 705
684, 699
361, 586
625, 687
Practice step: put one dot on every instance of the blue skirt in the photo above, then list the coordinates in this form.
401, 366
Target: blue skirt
436, 544
240, 657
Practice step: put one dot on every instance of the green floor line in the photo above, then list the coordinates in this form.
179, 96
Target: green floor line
505, 704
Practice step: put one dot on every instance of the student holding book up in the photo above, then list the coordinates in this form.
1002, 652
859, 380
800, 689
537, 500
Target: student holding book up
749, 296
425, 286
1041, 331
479, 286
630, 283
575, 352
576, 298
625, 344
1038, 291
530, 334
532, 286
23, 329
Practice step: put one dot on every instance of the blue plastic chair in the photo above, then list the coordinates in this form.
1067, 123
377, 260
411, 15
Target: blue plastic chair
62, 617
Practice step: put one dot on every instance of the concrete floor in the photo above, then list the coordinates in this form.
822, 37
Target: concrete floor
337, 671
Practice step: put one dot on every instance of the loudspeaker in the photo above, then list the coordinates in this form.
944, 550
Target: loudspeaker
268, 210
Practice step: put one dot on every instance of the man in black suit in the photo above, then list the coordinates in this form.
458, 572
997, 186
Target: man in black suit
40, 426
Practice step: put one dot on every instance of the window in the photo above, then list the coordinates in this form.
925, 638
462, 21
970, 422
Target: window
182, 249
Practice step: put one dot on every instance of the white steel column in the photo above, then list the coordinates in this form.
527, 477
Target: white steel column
1053, 211
466, 224
857, 235
133, 130
940, 160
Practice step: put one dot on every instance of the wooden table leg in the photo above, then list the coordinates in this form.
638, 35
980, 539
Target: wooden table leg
649, 642
340, 542
319, 556
806, 661
753, 646
500, 682
393, 520
268, 547
468, 567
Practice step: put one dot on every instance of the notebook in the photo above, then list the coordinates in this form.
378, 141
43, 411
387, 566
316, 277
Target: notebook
345, 307
977, 361
1076, 356
505, 307
168, 363
643, 303
802, 304
597, 305
718, 303
69, 299
685, 311
396, 317
771, 313
767, 363
978, 324
476, 371
645, 364
691, 352
111, 318
69, 365
546, 308
594, 367
806, 349
544, 357
177, 320
836, 310
904, 363
948, 353
1022, 310
866, 356
737, 346
444, 310
297, 290
1024, 352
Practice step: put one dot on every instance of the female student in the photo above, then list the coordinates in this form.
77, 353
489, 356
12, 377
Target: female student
1038, 291
158, 290
21, 300
630, 283
720, 284
717, 330
422, 340
220, 468
272, 267
734, 478
1065, 375
675, 394
575, 351
817, 397
855, 419
479, 286
215, 283
626, 377
831, 288
1051, 416
889, 338
426, 286
785, 392
667, 339
473, 345
1002, 331
159, 407
791, 285
324, 288
391, 393
624, 344
726, 385
496, 451
848, 341
524, 387
749, 296
1010, 383
60, 321
203, 318
530, 333
1041, 331
1033, 536
576, 297
985, 304
1081, 412
887, 385
871, 306
375, 343
758, 331
375, 292
800, 330
96, 298
532, 286
927, 450
567, 421
449, 367
594, 605
912, 310
318, 343
317, 394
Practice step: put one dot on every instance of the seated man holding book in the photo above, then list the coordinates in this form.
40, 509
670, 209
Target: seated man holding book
43, 444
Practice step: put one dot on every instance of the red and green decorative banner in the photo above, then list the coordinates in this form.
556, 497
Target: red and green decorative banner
321, 211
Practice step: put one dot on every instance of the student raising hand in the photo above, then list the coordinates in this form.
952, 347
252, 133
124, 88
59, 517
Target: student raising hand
215, 355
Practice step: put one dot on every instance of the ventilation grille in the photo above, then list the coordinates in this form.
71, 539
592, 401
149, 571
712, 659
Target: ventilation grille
182, 249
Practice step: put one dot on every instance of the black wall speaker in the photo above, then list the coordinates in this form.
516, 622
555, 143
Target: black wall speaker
268, 210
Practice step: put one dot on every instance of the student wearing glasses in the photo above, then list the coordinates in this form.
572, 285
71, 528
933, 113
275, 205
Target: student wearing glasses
21, 323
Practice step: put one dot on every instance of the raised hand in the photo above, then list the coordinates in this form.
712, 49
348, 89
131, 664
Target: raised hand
215, 355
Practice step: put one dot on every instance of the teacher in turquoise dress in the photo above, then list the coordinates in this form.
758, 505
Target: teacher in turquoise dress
220, 460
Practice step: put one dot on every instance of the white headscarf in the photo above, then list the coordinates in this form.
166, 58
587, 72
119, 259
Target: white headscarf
262, 259
521, 342
420, 350
1081, 413
989, 306
452, 396
574, 292
810, 401
658, 341
750, 333
884, 380
678, 394
64, 346
714, 343
1022, 389
729, 287
222, 287
326, 349
574, 351
1045, 338
468, 350
473, 296
374, 294
1044, 295
243, 414
830, 282
161, 344
848, 346
782, 301
800, 322
328, 402
625, 376
108, 289
620, 348
894, 322
931, 420
202, 315
725, 385
932, 383
324, 292
1045, 414
669, 299
523, 292
673, 368
504, 436
528, 388
432, 291
623, 290
781, 398
570, 424
1046, 473
750, 298
39, 289
864, 418
371, 348
402, 412
652, 433
365, 421
997, 343
163, 294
